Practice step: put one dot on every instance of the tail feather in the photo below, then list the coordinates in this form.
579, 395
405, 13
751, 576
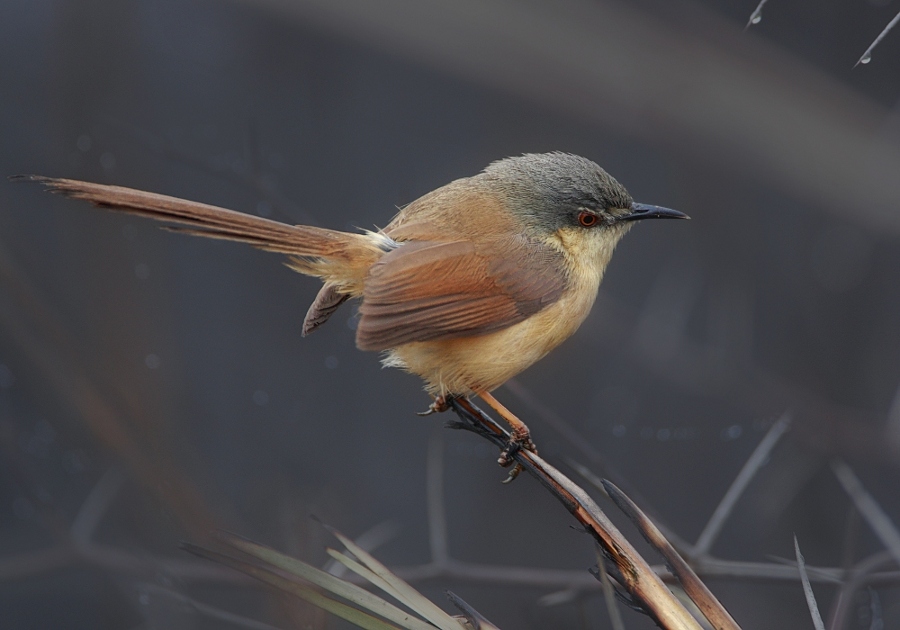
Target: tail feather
338, 257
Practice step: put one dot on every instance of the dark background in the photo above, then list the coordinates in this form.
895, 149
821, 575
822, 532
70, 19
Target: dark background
154, 387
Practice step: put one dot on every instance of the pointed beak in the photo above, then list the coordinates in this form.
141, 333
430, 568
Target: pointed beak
641, 211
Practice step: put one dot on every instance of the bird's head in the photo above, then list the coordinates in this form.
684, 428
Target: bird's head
570, 200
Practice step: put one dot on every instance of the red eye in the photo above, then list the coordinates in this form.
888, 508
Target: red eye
587, 219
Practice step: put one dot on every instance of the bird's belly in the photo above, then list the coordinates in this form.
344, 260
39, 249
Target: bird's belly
461, 366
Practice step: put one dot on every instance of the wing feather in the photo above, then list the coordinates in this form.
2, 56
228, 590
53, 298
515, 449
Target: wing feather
425, 291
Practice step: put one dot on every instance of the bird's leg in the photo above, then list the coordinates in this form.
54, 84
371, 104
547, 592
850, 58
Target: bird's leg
440, 405
519, 437
520, 433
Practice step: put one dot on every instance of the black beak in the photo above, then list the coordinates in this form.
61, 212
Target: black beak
641, 211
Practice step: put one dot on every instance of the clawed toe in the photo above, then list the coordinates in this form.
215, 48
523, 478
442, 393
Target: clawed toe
517, 440
440, 405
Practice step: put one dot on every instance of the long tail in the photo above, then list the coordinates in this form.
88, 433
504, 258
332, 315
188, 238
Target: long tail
340, 258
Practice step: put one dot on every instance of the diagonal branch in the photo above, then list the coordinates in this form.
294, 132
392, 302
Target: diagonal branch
874, 515
638, 578
751, 467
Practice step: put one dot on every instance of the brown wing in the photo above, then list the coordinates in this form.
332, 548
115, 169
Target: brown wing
429, 290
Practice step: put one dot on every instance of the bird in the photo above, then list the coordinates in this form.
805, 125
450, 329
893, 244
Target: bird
466, 287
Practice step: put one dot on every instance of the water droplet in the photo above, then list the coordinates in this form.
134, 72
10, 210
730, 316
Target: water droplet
619, 430
732, 433
756, 19
331, 362
260, 397
663, 435
152, 361
142, 271
865, 59
84, 143
352, 322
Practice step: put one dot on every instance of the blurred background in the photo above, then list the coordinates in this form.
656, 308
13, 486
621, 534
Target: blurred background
154, 387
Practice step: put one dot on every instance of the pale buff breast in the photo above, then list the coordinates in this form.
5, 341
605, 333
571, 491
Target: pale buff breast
460, 366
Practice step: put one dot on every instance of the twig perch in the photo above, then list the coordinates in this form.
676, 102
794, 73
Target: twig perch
637, 577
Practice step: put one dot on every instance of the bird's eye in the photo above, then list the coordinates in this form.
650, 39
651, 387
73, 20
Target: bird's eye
587, 219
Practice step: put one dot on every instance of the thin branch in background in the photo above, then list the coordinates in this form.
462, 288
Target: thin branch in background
848, 552
867, 56
609, 593
874, 515
851, 532
877, 621
858, 576
807, 589
756, 16
815, 574
759, 457
709, 606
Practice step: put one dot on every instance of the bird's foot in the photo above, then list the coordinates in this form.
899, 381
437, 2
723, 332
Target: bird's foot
440, 405
520, 437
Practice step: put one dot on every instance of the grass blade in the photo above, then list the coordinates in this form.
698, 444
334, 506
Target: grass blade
400, 589
337, 586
